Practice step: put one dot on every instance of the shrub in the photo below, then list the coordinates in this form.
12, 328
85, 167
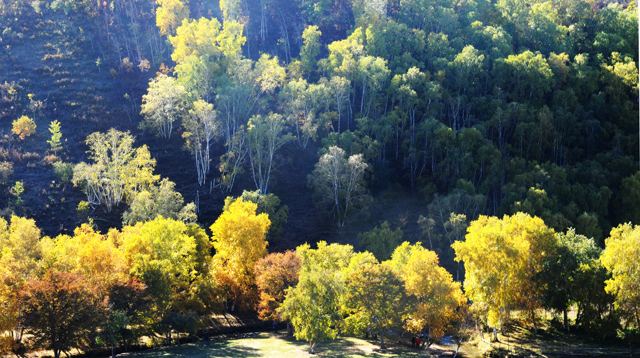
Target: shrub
23, 127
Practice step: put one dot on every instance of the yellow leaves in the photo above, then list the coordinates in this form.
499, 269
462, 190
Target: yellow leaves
204, 37
90, 254
170, 15
501, 258
438, 295
239, 238
20, 241
621, 258
119, 170
271, 74
23, 127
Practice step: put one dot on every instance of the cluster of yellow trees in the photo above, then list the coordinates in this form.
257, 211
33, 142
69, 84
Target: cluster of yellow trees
160, 277
152, 278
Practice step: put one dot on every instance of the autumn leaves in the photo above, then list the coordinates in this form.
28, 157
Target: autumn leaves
159, 278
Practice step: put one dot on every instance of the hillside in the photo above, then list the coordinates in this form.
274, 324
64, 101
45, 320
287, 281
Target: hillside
501, 134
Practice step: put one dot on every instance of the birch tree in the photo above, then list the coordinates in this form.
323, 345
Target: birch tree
201, 127
163, 104
265, 137
118, 172
338, 182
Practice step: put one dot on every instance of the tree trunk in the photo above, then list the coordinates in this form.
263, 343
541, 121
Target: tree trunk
495, 333
457, 349
382, 339
566, 320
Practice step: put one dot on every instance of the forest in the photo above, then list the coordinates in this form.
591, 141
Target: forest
440, 167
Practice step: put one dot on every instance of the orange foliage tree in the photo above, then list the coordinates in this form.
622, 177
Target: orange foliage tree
60, 311
274, 274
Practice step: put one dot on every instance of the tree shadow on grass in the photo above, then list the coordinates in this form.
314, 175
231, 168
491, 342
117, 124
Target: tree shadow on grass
200, 350
345, 347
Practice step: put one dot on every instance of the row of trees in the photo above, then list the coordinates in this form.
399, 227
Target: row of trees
159, 277
514, 264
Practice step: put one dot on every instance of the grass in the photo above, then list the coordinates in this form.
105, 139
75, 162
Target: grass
521, 341
272, 345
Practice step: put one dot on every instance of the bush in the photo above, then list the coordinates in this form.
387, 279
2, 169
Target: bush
6, 171
63, 171
23, 127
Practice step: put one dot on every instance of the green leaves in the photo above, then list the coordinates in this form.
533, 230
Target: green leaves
163, 104
338, 182
381, 241
54, 142
118, 171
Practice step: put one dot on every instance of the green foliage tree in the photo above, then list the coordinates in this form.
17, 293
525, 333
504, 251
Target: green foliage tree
574, 275
304, 104
381, 242
338, 182
163, 104
311, 48
159, 200
115, 329
527, 76
629, 194
201, 128
376, 294
118, 171
230, 10
265, 136
56, 135
340, 89
313, 306
16, 191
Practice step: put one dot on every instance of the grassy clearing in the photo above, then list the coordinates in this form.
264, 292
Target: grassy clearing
272, 345
520, 341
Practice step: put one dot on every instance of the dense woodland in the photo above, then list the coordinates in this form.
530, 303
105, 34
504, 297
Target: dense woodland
152, 154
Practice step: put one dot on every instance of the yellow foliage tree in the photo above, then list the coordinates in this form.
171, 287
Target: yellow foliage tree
439, 298
208, 39
502, 258
239, 238
23, 127
169, 15
90, 254
172, 260
621, 257
20, 250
